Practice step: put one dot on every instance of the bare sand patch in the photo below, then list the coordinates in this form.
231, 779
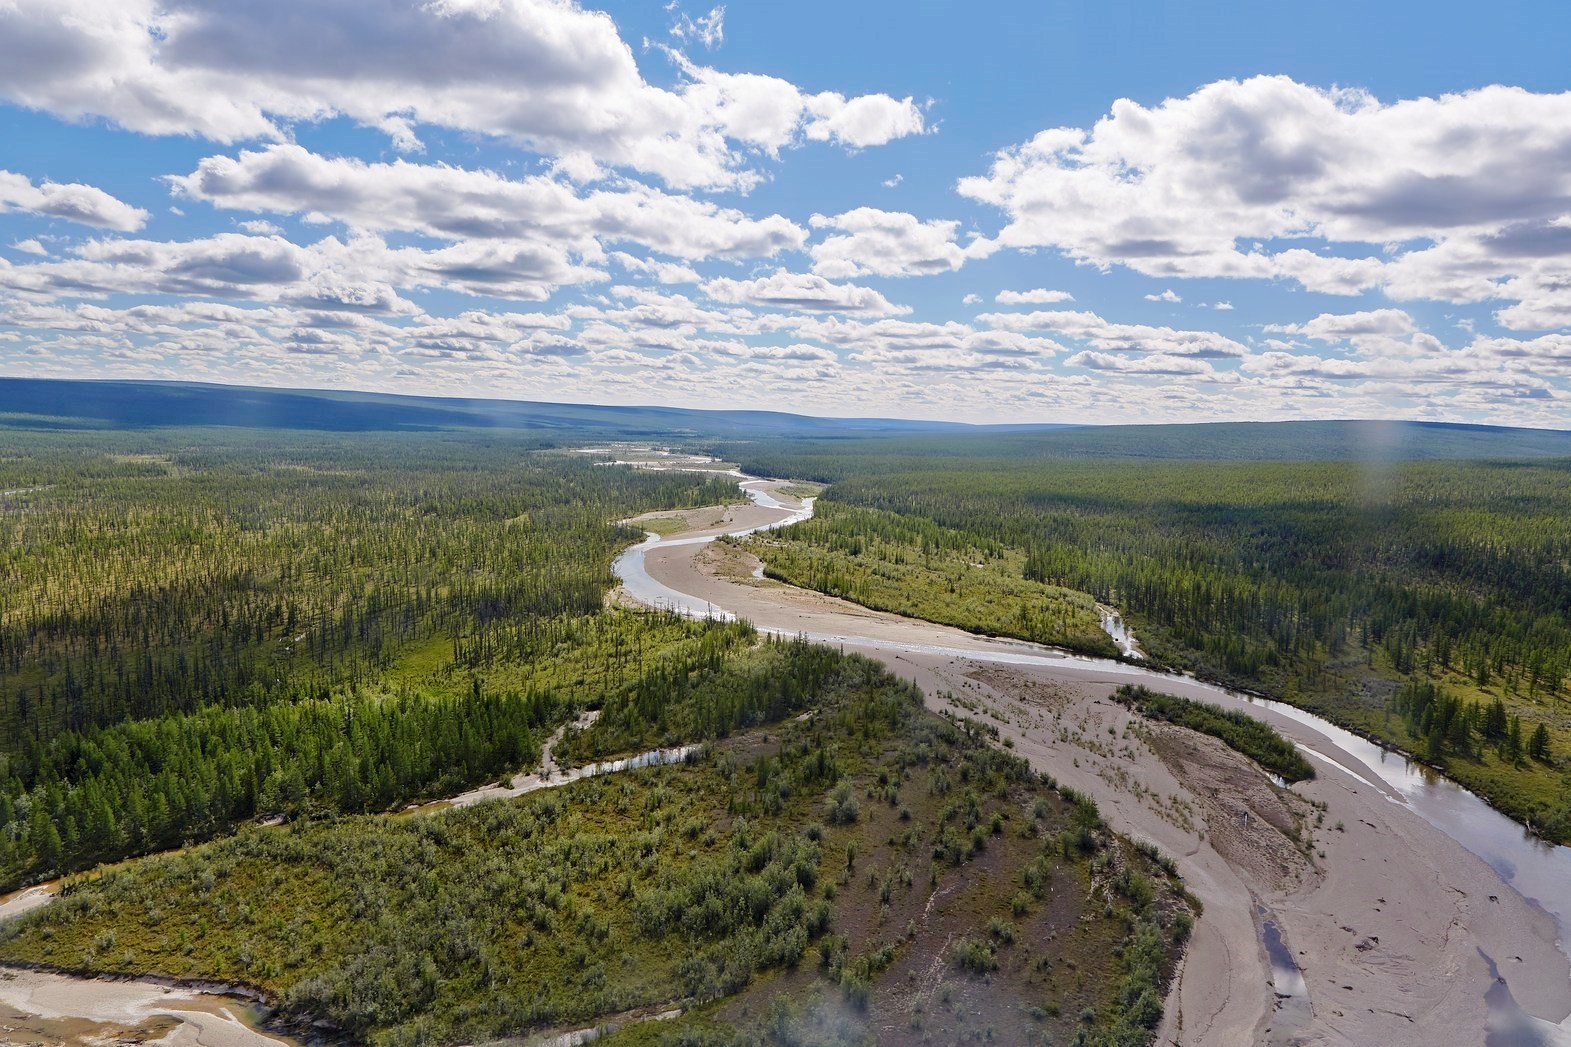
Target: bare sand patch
48, 1008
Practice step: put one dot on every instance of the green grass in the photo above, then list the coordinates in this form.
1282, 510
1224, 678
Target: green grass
1239, 731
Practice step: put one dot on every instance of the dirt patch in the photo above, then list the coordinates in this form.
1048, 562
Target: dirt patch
1254, 824
731, 562
1044, 694
18, 1028
678, 521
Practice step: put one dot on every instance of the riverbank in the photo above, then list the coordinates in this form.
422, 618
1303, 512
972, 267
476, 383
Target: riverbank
1399, 928
38, 1006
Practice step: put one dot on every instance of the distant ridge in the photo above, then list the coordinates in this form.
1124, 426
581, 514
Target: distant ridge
72, 404
40, 403
1345, 440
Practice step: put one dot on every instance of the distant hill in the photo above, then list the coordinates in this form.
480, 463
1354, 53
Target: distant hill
48, 403
1371, 441
1286, 441
35, 403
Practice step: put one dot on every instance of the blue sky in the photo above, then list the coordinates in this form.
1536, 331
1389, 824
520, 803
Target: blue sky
1007, 212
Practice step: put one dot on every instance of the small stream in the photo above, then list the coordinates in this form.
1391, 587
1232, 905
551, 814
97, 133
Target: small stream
1113, 625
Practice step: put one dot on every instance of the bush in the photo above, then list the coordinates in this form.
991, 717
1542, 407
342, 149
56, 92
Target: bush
844, 808
975, 955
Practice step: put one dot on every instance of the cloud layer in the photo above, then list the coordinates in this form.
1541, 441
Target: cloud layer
1461, 198
546, 74
548, 206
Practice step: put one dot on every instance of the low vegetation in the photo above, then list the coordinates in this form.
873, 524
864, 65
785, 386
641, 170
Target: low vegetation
809, 870
1238, 731
913, 567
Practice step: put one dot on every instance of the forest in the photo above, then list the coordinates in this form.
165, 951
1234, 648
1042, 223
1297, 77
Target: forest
249, 656
783, 877
201, 628
1337, 585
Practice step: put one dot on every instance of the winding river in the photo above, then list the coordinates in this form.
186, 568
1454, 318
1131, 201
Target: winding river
1539, 871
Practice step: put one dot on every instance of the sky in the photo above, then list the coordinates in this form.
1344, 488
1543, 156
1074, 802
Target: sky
1006, 212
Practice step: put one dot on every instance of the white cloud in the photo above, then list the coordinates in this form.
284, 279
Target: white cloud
1222, 306
1036, 296
890, 243
453, 203
362, 273
30, 246
662, 272
890, 183
1335, 327
971, 299
1154, 364
1115, 337
72, 201
260, 227
1168, 295
708, 30
803, 292
863, 121
799, 351
546, 74
1472, 189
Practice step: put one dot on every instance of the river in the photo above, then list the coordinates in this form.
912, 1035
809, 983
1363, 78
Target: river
1539, 871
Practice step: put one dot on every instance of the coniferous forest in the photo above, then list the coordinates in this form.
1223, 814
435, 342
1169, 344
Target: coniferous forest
202, 628
276, 643
1426, 603
247, 655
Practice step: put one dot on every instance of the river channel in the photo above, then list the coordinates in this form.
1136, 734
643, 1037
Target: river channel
1539, 871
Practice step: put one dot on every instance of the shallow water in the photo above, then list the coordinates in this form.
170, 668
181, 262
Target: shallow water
1293, 1012
1113, 625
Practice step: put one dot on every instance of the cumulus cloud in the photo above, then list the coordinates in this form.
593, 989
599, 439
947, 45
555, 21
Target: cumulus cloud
1333, 327
897, 345
863, 121
804, 292
547, 74
1168, 295
30, 246
1155, 364
1036, 296
362, 273
870, 242
1117, 337
1472, 189
72, 201
661, 272
454, 203
797, 352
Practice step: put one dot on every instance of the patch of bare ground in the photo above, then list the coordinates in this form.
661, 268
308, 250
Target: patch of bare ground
1255, 825
731, 562
675, 521
18, 1029
1041, 694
